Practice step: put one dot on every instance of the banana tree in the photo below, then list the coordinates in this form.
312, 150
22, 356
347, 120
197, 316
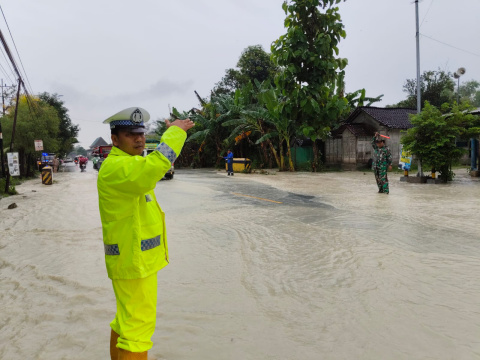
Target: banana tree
256, 120
274, 103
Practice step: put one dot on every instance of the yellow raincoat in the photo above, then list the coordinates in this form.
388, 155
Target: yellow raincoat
133, 223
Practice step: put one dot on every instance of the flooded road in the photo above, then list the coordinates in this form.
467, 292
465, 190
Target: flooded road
285, 266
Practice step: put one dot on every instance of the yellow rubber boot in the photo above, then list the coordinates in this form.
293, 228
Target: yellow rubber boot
127, 355
113, 345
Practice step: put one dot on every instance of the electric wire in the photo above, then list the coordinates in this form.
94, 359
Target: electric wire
5, 73
431, 2
15, 45
8, 63
444, 43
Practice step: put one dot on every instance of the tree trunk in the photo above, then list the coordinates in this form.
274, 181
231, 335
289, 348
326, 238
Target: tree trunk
267, 158
282, 158
29, 160
22, 161
290, 162
219, 150
315, 157
269, 142
274, 152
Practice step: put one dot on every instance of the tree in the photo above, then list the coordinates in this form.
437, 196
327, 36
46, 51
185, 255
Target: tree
251, 117
208, 133
470, 91
274, 103
36, 120
67, 132
254, 64
80, 150
357, 99
229, 83
433, 136
436, 87
311, 70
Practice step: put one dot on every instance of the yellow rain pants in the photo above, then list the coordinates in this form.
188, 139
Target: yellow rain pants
136, 313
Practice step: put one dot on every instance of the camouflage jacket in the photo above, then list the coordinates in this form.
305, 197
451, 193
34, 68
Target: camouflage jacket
382, 157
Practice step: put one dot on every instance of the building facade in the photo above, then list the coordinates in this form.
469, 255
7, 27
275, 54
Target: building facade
350, 145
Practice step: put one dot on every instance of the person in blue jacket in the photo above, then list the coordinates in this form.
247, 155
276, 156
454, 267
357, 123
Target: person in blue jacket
229, 160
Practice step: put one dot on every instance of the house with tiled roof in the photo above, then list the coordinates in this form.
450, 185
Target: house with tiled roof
350, 145
98, 142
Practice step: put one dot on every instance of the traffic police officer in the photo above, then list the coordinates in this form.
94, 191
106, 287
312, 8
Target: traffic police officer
133, 225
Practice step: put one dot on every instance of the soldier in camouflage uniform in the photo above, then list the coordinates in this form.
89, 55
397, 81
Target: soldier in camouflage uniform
382, 162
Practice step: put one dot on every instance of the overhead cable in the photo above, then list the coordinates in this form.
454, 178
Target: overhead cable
431, 2
9, 65
15, 45
444, 43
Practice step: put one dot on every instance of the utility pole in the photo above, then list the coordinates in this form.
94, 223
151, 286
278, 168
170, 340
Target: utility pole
419, 96
1, 137
7, 182
419, 99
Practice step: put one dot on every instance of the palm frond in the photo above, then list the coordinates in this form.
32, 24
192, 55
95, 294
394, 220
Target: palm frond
267, 136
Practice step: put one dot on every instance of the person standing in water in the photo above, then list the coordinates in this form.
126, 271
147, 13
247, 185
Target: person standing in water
229, 160
134, 231
382, 162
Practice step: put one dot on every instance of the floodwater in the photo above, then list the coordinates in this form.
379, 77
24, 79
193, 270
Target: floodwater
281, 266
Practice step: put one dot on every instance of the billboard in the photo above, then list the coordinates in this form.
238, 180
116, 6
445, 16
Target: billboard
13, 164
405, 159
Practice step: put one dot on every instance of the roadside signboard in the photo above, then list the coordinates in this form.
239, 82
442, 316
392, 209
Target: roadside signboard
13, 164
405, 159
38, 145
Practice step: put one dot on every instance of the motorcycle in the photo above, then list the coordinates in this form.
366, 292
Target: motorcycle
83, 167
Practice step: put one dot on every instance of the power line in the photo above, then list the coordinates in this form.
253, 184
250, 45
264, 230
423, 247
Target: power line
426, 13
5, 73
20, 80
444, 43
8, 63
15, 45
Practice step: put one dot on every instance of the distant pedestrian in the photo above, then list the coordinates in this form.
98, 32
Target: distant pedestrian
56, 165
229, 160
382, 162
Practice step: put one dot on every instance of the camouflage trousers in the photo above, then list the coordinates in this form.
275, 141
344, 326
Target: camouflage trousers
382, 180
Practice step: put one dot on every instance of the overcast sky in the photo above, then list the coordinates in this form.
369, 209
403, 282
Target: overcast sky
103, 56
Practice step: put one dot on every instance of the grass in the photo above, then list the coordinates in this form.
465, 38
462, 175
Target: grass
11, 189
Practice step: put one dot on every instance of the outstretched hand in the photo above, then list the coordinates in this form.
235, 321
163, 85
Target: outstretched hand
182, 124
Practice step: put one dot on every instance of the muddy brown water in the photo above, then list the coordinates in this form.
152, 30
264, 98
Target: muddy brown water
285, 266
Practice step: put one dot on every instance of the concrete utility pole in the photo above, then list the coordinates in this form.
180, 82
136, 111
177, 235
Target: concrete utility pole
1, 137
7, 182
419, 96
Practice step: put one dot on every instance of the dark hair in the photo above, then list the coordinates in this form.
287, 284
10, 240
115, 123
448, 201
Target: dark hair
114, 131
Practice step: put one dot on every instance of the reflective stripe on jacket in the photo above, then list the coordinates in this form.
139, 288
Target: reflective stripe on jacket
133, 223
